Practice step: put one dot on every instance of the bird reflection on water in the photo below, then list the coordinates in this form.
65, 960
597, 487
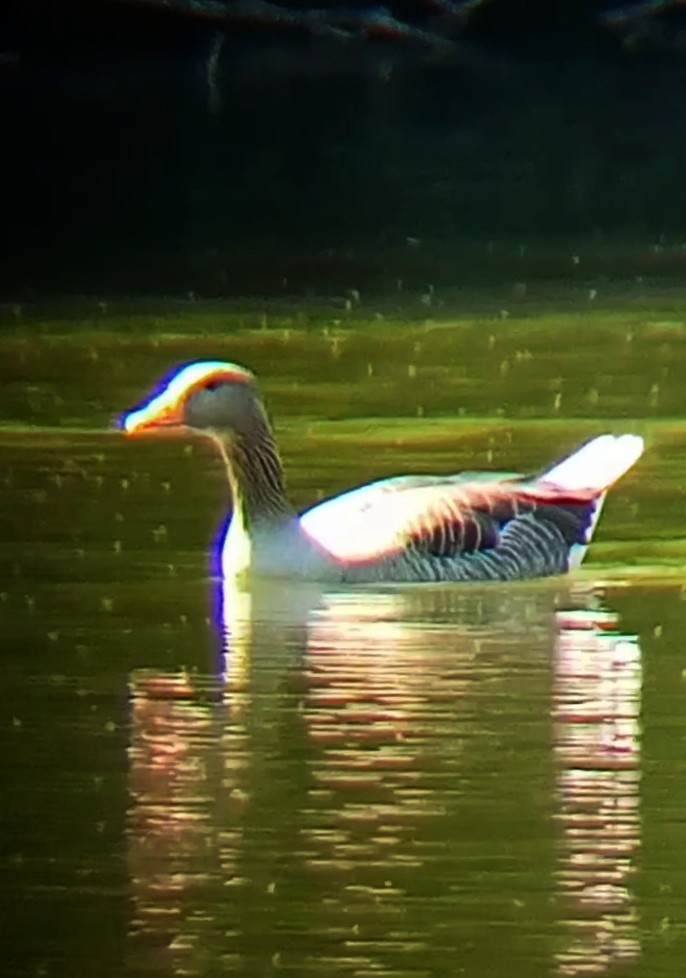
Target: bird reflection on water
304, 807
596, 717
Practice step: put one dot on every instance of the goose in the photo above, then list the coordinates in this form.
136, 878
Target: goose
409, 528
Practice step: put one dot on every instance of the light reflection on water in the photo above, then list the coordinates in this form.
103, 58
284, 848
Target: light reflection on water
305, 810
596, 711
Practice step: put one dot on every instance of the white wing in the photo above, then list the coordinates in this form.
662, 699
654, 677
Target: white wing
460, 513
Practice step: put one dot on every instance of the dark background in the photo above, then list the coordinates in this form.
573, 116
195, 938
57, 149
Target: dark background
126, 170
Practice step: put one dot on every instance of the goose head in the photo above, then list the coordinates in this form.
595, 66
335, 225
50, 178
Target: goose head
211, 396
221, 400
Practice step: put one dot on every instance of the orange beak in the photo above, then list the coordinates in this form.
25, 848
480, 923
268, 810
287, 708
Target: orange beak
153, 418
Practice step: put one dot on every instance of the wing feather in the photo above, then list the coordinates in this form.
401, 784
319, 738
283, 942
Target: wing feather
442, 516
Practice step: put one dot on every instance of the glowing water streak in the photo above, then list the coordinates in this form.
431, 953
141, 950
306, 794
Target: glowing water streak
597, 705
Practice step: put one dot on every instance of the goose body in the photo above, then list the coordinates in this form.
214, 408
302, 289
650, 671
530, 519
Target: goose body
469, 527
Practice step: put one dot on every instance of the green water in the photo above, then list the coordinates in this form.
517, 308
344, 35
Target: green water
400, 782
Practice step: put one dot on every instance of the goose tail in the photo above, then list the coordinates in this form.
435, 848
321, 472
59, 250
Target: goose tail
595, 466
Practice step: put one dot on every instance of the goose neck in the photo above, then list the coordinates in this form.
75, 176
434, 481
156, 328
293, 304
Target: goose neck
256, 476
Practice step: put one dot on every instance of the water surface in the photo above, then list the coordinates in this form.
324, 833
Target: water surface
398, 781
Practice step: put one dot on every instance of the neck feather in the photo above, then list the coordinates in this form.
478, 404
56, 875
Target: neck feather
255, 475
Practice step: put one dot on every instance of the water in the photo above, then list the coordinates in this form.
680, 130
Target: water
399, 781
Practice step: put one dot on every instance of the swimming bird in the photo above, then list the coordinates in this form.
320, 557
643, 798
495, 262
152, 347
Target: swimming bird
413, 528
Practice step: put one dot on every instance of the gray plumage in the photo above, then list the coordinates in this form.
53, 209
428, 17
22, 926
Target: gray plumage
470, 527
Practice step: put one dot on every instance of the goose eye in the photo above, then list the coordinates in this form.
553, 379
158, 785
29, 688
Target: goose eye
213, 385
